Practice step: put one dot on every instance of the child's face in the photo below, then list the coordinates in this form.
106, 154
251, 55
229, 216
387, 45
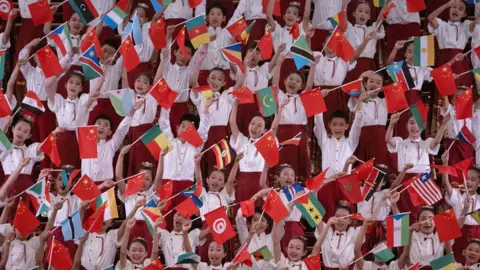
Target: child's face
293, 83
257, 127
472, 253
362, 14
338, 126
21, 132
75, 24
103, 128
427, 226
291, 16
137, 253
216, 79
263, 223
216, 181
296, 250
409, 54
473, 180
178, 220
413, 129
216, 253
374, 82
458, 11
342, 223
255, 59
147, 182
181, 59
215, 17
142, 84
286, 177
107, 52
142, 15
329, 52
183, 125
74, 86
59, 184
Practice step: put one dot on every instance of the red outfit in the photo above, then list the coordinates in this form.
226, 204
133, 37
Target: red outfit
139, 152
176, 112
140, 229
396, 32
70, 155
363, 64
292, 229
296, 156
469, 232
460, 151
370, 136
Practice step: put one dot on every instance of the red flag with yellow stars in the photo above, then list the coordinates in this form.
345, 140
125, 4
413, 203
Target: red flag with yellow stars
464, 105
244, 95
447, 225
317, 181
443, 77
313, 102
85, 189
94, 223
134, 184
48, 62
163, 94
243, 257
190, 135
181, 42
265, 45
351, 188
59, 256
295, 30
87, 142
267, 147
129, 53
5, 109
248, 208
157, 34
275, 207
313, 262
277, 11
395, 97
340, 45
364, 170
90, 39
165, 192
25, 221
49, 147
155, 265
236, 28
41, 13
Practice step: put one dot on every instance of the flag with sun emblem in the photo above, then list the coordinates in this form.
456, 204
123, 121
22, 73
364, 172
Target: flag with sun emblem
267, 147
91, 64
267, 101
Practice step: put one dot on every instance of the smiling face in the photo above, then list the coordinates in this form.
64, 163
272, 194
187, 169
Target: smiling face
362, 14
293, 83
427, 225
413, 129
296, 250
215, 17
374, 82
178, 220
473, 181
342, 224
291, 16
75, 24
142, 15
216, 181
74, 86
257, 127
21, 132
216, 253
409, 53
472, 253
216, 79
338, 126
286, 177
458, 11
104, 128
142, 84
137, 253
147, 181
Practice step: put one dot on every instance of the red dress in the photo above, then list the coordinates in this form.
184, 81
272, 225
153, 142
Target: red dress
396, 32
71, 155
139, 152
296, 156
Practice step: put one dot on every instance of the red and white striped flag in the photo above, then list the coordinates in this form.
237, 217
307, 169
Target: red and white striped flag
423, 190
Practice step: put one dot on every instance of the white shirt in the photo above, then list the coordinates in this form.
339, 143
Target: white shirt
205, 266
130, 201
423, 246
251, 10
366, 208
414, 152
112, 78
252, 161
179, 10
285, 262
172, 245
101, 168
99, 250
22, 254
4, 46
337, 249
357, 33
282, 35
368, 265
258, 240
374, 112
146, 49
475, 267
454, 126
71, 113
214, 56
457, 201
24, 10
400, 15
147, 112
178, 78
12, 158
476, 133
71, 204
337, 151
213, 200
76, 39
475, 43
325, 9
331, 71
419, 75
294, 112
220, 110
257, 78
451, 35
130, 266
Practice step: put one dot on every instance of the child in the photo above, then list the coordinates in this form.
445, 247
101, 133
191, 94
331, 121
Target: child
471, 253
75, 25
252, 10
476, 132
216, 255
28, 31
5, 36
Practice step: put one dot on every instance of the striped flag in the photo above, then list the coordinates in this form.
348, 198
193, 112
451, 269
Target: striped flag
115, 17
2, 63
62, 38
424, 51
466, 136
302, 54
378, 3
339, 20
222, 154
292, 191
423, 190
91, 64
293, 141
476, 73
5, 143
398, 230
72, 227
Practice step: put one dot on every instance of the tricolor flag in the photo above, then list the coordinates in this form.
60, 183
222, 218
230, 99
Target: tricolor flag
155, 140
476, 72
245, 34
115, 17
378, 3
62, 38
222, 154
33, 103
5, 143
398, 230
466, 136
108, 197
197, 31
312, 210
293, 141
424, 51
446, 262
236, 28
420, 112
339, 20
205, 90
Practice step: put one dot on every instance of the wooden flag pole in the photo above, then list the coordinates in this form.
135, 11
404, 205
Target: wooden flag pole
321, 53
51, 251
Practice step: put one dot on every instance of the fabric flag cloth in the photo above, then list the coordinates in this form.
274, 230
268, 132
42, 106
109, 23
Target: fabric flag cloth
68, 175
5, 109
206, 91
262, 253
244, 95
415, 266
194, 3
41, 13
424, 51
312, 262
371, 184
293, 141
129, 53
5, 143
265, 45
291, 191
351, 188
85, 189
267, 147
302, 54
446, 169
122, 100
423, 190
339, 20
476, 73
49, 147
317, 181
220, 225
340, 45
400, 73
446, 262
6, 7
466, 136
277, 11
243, 257
48, 61
248, 208
155, 265
295, 30
313, 102
72, 227
197, 31
353, 89
398, 230
312, 210
194, 192
85, 9
415, 5
475, 215
163, 94
134, 184
378, 3
236, 28
159, 4
108, 197
157, 34
190, 135
25, 221
233, 54
420, 113
476, 50
364, 170
443, 77
32, 103
94, 223
180, 39
155, 140
275, 207
135, 30
395, 97
187, 208
222, 154
90, 39
2, 63
91, 64
267, 101
464, 105
188, 258
447, 226
40, 197
390, 6
62, 38
165, 191
87, 142
115, 17
151, 214
60, 256
464, 165
245, 34
382, 253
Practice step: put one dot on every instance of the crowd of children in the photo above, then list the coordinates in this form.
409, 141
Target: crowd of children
311, 138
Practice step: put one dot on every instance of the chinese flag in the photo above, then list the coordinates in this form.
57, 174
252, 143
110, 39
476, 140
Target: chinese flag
446, 169
134, 184
5, 109
351, 188
165, 191
364, 170
390, 6
476, 50
464, 105
190, 135
49, 147
295, 31
59, 257
49, 62
94, 223
395, 97
187, 208
244, 95
248, 208
243, 256
447, 225
267, 147
340, 45
275, 207
181, 42
163, 94
90, 39
313, 262
219, 225
313, 102
129, 53
25, 221
276, 8
87, 142
85, 189
317, 181
155, 265
194, 3
464, 165
416, 5
265, 45
236, 28
40, 12
443, 77
157, 34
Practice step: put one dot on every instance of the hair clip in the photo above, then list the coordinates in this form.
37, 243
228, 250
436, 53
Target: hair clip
142, 5
295, 4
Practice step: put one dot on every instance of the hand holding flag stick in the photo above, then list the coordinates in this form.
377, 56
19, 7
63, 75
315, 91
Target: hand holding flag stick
328, 40
51, 249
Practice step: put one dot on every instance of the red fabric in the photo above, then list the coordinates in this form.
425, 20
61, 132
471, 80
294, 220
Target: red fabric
447, 226
368, 146
134, 184
26, 34
336, 101
144, 67
62, 82
458, 67
351, 188
70, 155
275, 207
70, 245
363, 64
257, 30
48, 61
175, 32
131, 58
395, 97
140, 229
104, 106
49, 147
25, 221
267, 147
405, 204
203, 76
413, 96
460, 151
191, 136
176, 112
87, 142
178, 186
215, 134
139, 152
245, 114
85, 189
215, 218
203, 249
319, 38
329, 195
292, 229
469, 232
313, 102
157, 34
296, 156
396, 32
248, 184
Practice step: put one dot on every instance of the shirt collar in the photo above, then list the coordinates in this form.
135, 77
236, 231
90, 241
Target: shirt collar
415, 140
360, 26
454, 23
331, 58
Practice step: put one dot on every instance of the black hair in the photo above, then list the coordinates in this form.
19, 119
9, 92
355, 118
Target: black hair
253, 45
265, 119
139, 240
25, 120
219, 6
299, 74
294, 5
339, 114
189, 45
301, 239
259, 210
112, 42
190, 118
76, 73
473, 241
280, 168
346, 208
475, 170
405, 46
104, 117
425, 208
146, 166
146, 74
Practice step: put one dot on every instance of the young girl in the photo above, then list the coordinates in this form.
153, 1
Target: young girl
471, 253
216, 257
324, 9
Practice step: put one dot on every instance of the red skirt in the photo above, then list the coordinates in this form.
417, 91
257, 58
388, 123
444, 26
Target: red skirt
329, 196
469, 232
176, 112
337, 101
204, 73
68, 150
139, 152
203, 249
370, 136
405, 204
396, 32
178, 186
459, 67
144, 67
288, 66
413, 96
257, 31
296, 156
292, 229
169, 22
245, 114
215, 134
140, 229
62, 90
26, 34
460, 151
107, 33
248, 184
23, 182
104, 107
330, 268
319, 38
363, 64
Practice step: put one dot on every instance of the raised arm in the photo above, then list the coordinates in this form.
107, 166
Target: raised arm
438, 138
362, 46
323, 234
77, 260
277, 235
161, 164
389, 135
119, 168
273, 62
124, 243
202, 53
165, 56
306, 14
8, 28
12, 178
154, 255
12, 81
233, 174
398, 46
6, 249
311, 77
359, 243
445, 180
121, 231
270, 20
278, 117
432, 18
398, 180
51, 220
233, 119
276, 72
404, 258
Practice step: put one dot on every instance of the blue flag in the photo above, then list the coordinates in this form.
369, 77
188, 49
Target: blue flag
135, 30
291, 191
72, 227
156, 5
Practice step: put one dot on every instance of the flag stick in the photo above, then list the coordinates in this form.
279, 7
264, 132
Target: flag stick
361, 161
338, 87
468, 52
16, 111
51, 251
451, 145
405, 188
321, 53
465, 183
89, 229
379, 24
401, 112
382, 69
363, 256
463, 73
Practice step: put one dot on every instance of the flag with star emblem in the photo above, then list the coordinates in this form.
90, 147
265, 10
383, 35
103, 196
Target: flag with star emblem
150, 215
122, 100
464, 165
94, 223
248, 208
398, 230
267, 147
265, 45
25, 221
222, 154
62, 38
443, 78
423, 190
317, 181
87, 142
364, 170
294, 30
72, 227
134, 184
312, 262
236, 28
400, 73
49, 147
395, 97
420, 112
90, 39
353, 89
340, 45
163, 94
190, 135
129, 53
446, 262
157, 34
312, 210
85, 189
220, 226
447, 226
466, 135
41, 13
32, 103
313, 102
267, 101
48, 62
424, 51
155, 140
275, 207
243, 257
155, 265
464, 105
244, 95
164, 192
59, 256
91, 64
40, 197
115, 17
233, 54
197, 31
85, 9
180, 39
187, 208
350, 186
302, 54
339, 20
